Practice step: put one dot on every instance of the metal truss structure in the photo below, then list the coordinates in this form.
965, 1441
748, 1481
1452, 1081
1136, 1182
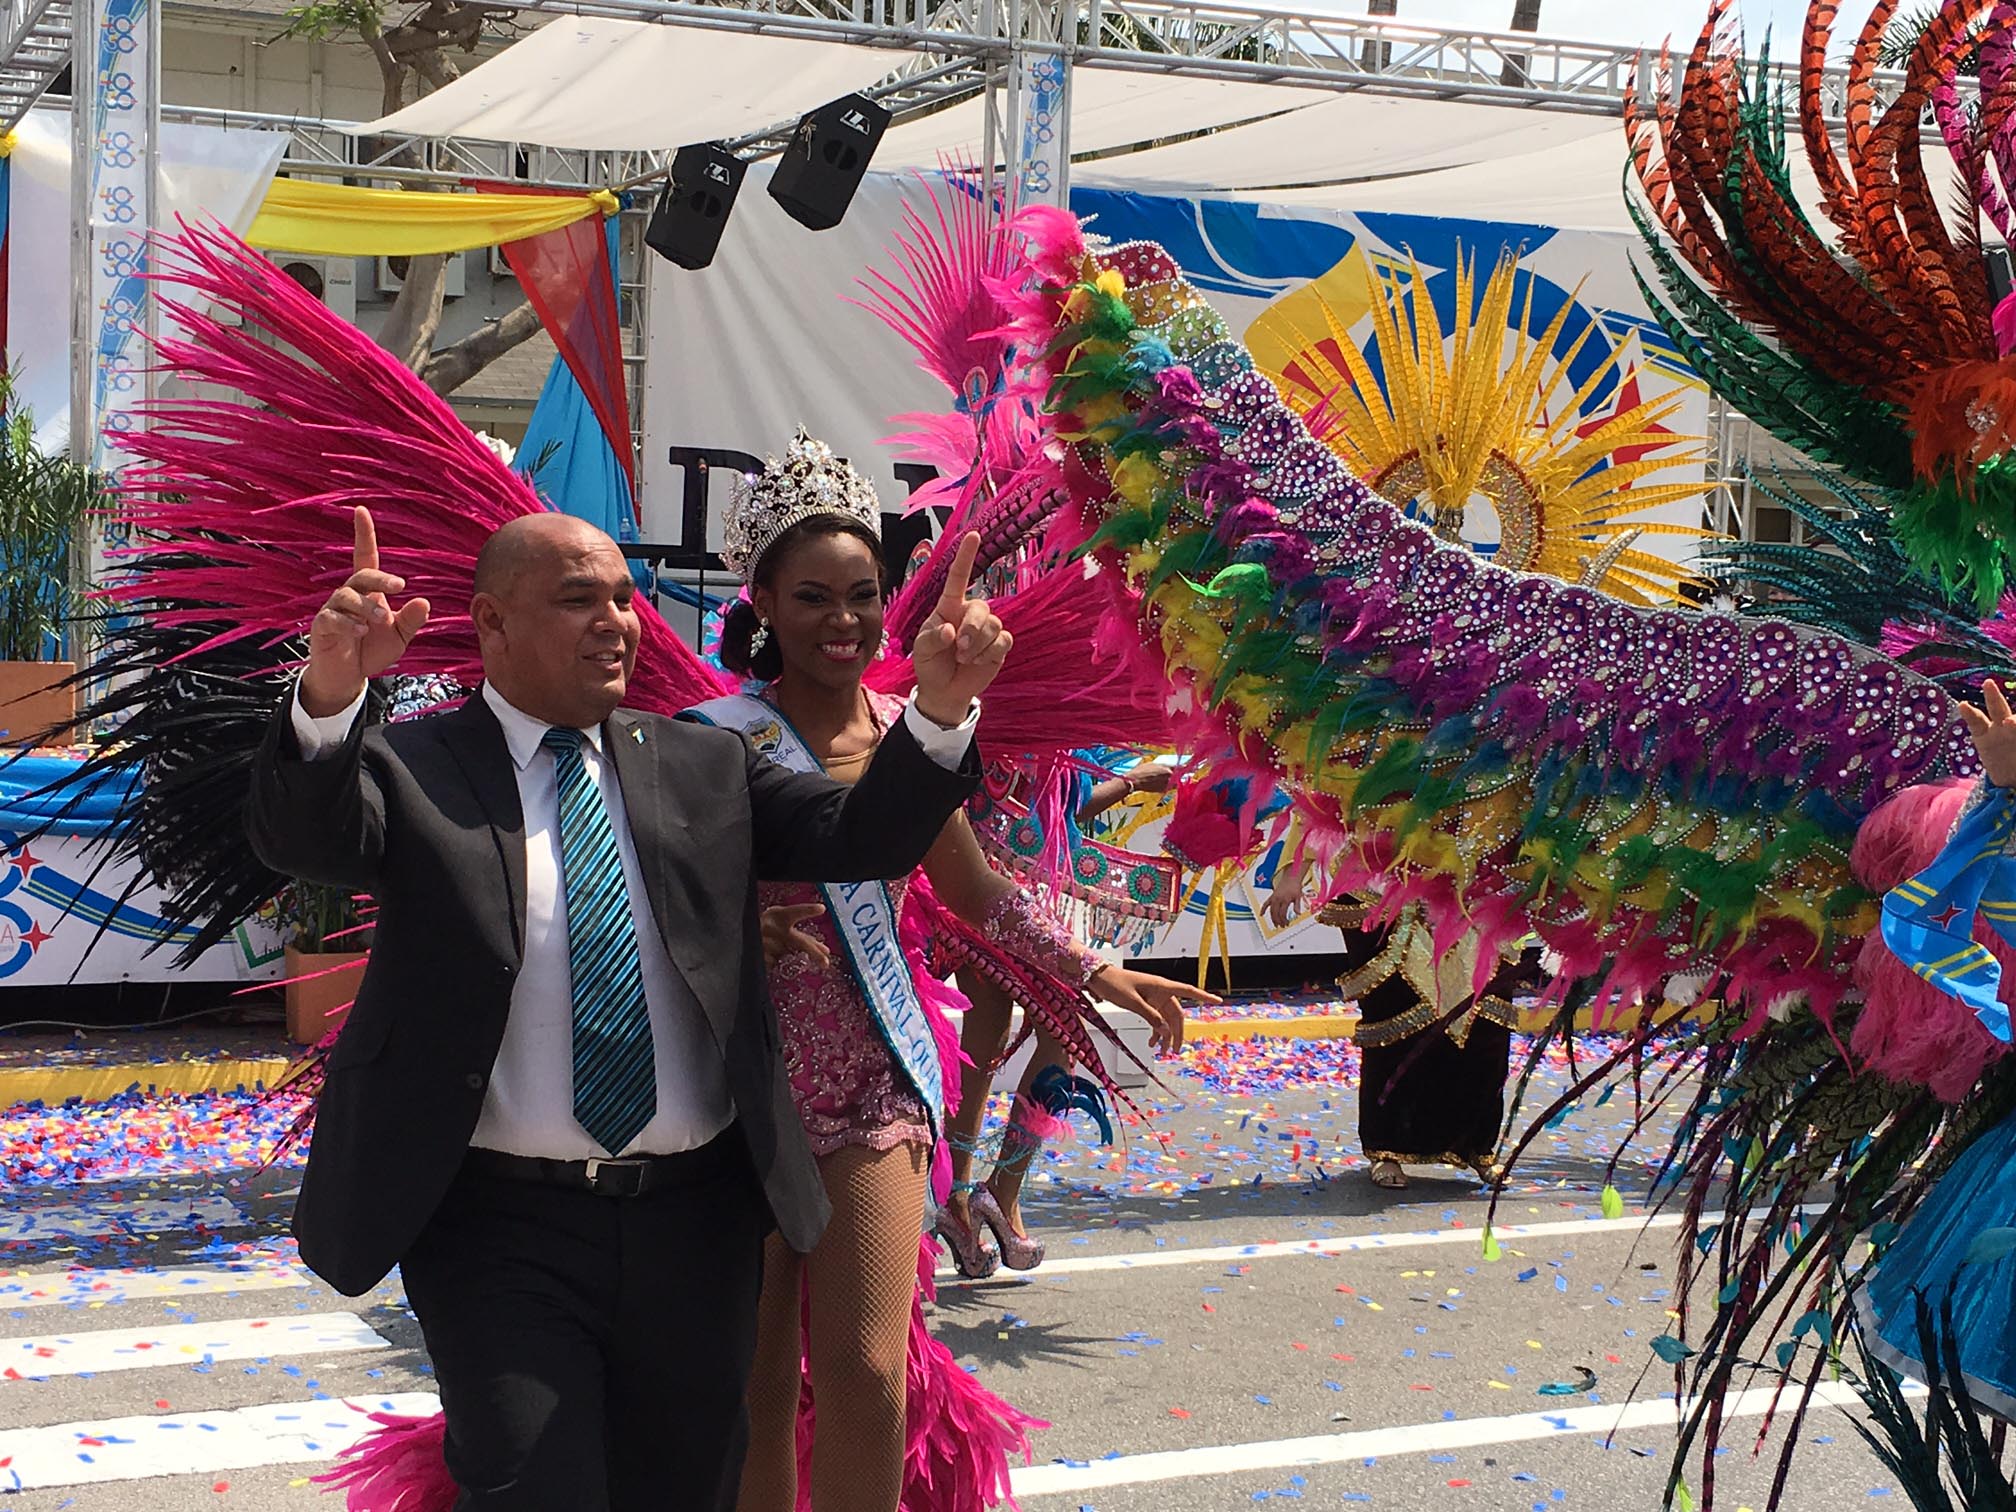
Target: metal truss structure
35, 41
960, 46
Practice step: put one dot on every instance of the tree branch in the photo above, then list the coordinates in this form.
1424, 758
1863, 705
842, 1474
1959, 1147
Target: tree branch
452, 366
415, 48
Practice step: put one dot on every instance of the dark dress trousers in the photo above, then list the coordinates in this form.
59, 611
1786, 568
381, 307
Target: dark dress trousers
557, 1318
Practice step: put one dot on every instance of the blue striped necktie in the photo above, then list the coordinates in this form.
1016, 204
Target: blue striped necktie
615, 1078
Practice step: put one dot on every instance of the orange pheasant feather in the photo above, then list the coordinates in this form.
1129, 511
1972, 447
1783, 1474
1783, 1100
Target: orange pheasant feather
1823, 310
1910, 253
1708, 253
1837, 194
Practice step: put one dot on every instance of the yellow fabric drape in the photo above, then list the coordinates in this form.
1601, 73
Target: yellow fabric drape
342, 220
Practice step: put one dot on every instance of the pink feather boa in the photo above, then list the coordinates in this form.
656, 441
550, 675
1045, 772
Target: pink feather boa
1909, 1030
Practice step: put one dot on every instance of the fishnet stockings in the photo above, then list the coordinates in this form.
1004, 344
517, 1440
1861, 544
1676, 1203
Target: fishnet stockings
858, 1288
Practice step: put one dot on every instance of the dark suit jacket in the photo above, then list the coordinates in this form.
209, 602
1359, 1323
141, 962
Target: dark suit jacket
424, 815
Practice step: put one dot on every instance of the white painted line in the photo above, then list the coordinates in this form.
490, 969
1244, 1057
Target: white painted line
1379, 1443
1225, 1254
192, 1443
184, 1344
97, 1219
102, 1288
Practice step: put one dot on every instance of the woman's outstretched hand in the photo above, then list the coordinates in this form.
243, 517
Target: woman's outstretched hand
1156, 999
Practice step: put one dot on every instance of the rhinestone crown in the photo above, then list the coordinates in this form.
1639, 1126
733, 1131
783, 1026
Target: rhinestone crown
808, 483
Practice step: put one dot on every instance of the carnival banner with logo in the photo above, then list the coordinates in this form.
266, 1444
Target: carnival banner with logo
118, 210
66, 913
62, 923
772, 336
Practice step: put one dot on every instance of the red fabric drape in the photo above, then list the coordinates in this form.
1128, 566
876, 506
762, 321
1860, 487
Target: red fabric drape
566, 275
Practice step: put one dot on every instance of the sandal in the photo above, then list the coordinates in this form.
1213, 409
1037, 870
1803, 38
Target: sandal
1018, 1251
1388, 1174
974, 1258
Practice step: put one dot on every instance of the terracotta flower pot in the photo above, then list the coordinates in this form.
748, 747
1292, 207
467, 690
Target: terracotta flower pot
32, 701
316, 988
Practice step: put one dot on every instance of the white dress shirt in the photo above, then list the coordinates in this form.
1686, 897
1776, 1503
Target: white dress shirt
529, 1106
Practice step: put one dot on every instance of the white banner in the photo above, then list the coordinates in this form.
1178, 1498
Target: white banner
206, 172
61, 923
1043, 109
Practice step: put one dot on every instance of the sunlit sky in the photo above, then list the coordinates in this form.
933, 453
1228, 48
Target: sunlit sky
1638, 21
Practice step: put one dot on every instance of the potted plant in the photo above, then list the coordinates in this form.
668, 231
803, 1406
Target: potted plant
326, 938
45, 502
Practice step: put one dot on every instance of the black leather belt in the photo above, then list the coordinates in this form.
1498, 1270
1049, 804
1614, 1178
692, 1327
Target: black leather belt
634, 1176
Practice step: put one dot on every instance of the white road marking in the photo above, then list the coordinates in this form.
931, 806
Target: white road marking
90, 1288
1342, 1244
86, 1353
192, 1443
94, 1220
1378, 1443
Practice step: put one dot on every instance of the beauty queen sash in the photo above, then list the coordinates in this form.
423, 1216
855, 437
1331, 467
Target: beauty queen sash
863, 914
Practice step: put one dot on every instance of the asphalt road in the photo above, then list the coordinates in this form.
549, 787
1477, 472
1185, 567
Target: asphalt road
159, 1350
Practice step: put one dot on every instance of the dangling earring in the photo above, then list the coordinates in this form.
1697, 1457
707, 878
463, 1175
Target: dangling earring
760, 639
882, 649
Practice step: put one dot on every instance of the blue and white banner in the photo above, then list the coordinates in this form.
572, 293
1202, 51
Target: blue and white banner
66, 915
63, 922
121, 135
1042, 98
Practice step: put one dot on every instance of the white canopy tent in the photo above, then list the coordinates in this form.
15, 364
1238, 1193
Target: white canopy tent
604, 84
1576, 186
598, 84
1352, 137
1109, 109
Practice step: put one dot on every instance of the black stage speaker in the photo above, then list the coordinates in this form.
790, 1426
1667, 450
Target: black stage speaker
693, 211
819, 172
2001, 275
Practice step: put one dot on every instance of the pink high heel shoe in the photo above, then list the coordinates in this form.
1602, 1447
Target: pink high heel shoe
1018, 1251
971, 1255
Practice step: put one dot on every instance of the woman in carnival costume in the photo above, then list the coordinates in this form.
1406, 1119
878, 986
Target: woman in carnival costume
1939, 1301
871, 1060
1035, 830
1434, 1052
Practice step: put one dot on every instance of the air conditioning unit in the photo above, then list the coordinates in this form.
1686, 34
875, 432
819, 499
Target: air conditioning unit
457, 283
333, 280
